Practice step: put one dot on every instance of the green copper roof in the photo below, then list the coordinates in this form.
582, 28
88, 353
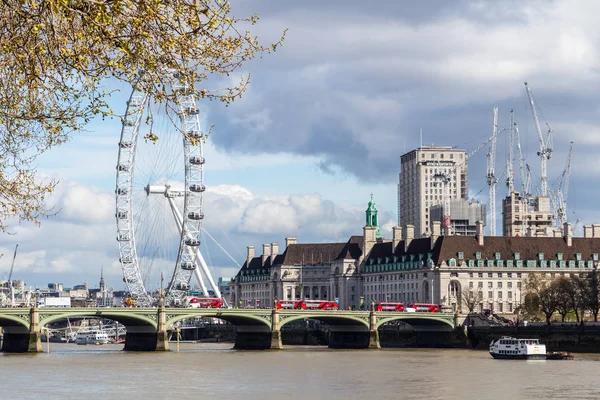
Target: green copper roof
371, 217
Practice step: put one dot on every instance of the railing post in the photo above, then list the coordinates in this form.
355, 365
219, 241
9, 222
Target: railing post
276, 343
373, 333
162, 338
35, 342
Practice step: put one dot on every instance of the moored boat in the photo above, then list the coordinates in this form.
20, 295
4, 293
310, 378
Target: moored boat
92, 337
510, 348
559, 355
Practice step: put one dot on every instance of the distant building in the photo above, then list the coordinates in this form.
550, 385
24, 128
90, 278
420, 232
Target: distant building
421, 185
57, 287
522, 217
463, 216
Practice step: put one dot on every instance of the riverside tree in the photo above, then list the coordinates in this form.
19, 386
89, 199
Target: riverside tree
57, 55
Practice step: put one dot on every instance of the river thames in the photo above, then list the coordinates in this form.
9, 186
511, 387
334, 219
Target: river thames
216, 371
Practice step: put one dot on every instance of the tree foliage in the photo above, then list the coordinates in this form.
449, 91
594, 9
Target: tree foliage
575, 294
57, 55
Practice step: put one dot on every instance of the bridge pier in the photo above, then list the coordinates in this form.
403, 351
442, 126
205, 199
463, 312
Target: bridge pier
373, 332
35, 340
162, 337
276, 343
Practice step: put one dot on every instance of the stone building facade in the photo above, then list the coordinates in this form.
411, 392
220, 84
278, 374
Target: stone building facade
436, 269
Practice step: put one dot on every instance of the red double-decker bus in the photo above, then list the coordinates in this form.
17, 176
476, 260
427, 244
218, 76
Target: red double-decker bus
424, 307
285, 304
205, 302
381, 306
316, 305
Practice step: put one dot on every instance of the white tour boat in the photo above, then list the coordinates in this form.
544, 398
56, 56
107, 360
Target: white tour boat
92, 337
511, 348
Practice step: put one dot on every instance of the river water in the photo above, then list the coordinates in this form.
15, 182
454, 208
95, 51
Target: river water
215, 371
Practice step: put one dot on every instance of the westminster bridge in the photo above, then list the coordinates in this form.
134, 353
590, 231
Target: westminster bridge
256, 329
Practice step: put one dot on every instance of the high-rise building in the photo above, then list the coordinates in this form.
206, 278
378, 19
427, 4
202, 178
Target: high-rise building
423, 174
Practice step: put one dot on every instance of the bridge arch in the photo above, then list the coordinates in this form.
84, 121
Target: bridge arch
330, 318
13, 321
235, 319
129, 319
418, 320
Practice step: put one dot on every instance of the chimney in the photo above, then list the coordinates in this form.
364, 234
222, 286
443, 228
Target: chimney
588, 231
568, 234
448, 230
435, 232
596, 230
289, 240
274, 252
250, 255
369, 239
396, 236
410, 235
266, 252
479, 232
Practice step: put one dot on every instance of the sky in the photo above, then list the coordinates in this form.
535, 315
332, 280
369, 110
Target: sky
326, 119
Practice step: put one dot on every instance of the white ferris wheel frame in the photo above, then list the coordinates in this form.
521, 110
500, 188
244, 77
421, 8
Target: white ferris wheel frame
189, 223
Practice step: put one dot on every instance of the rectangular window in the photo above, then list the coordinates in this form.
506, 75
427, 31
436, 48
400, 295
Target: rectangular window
490, 275
519, 275
518, 285
470, 285
510, 307
499, 274
490, 295
499, 285
490, 285
480, 275
500, 307
510, 295
509, 285
509, 275
499, 295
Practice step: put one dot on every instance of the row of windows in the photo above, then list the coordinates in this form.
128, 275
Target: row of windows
517, 256
490, 285
393, 277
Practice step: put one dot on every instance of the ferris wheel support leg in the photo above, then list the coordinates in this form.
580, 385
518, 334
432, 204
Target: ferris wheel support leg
204, 267
179, 222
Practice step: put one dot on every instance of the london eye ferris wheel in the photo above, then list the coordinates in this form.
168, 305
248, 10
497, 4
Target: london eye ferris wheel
160, 194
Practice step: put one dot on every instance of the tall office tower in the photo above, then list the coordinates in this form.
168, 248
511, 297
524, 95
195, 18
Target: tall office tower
424, 174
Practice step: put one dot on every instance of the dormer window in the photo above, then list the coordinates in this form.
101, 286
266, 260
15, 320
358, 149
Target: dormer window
578, 256
560, 256
497, 256
478, 255
517, 256
540, 256
461, 255
595, 256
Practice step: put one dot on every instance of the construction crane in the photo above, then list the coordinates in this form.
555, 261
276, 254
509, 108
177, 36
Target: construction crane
446, 178
10, 286
524, 170
491, 176
510, 173
545, 143
563, 191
